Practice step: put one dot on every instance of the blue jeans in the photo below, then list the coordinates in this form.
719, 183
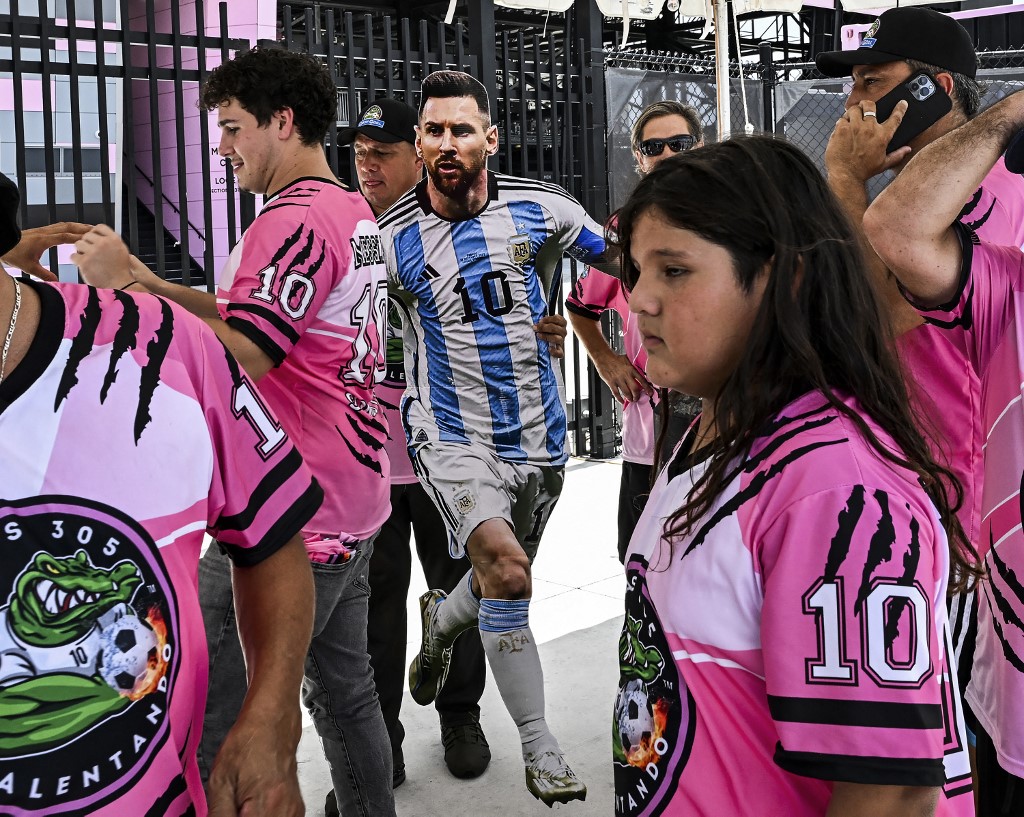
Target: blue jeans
337, 688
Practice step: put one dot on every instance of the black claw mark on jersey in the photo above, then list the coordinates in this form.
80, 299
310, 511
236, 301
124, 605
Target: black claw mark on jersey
846, 524
379, 427
156, 352
911, 560
81, 346
757, 483
233, 367
880, 549
126, 337
362, 459
315, 266
289, 242
1007, 574
1009, 653
366, 439
303, 255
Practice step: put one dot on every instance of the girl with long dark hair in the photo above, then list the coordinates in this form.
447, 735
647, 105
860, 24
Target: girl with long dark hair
784, 650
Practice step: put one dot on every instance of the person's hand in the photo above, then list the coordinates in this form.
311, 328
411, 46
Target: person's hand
255, 773
856, 148
103, 258
626, 382
552, 330
37, 240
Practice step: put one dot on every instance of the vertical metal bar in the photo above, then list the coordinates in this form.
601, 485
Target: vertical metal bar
131, 197
442, 46
524, 162
332, 132
204, 147
47, 81
506, 72
102, 112
767, 86
425, 48
19, 106
155, 140
353, 94
538, 105
556, 169
371, 69
229, 173
76, 111
288, 33
460, 52
389, 59
406, 49
310, 47
179, 138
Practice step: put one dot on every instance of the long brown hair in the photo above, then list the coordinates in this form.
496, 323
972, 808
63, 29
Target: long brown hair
819, 327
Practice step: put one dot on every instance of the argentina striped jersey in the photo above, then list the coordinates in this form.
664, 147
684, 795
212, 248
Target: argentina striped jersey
471, 292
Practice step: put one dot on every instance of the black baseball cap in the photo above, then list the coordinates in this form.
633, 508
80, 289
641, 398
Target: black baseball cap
384, 120
907, 33
10, 232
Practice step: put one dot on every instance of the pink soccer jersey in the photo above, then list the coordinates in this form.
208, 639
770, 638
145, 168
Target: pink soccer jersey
795, 636
945, 385
389, 393
596, 291
126, 433
307, 285
996, 210
987, 317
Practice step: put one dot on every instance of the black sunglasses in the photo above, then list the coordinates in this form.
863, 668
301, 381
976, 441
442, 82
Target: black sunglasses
654, 147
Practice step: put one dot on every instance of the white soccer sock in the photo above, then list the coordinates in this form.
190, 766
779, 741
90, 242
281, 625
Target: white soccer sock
512, 653
458, 612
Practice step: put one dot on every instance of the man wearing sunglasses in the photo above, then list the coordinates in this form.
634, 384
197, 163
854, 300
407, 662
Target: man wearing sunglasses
663, 129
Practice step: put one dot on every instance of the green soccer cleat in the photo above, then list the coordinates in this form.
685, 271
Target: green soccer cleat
429, 669
550, 780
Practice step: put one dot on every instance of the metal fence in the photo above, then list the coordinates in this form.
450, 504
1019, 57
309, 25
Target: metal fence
541, 105
84, 129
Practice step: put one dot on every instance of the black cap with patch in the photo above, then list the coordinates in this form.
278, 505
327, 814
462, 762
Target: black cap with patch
10, 232
907, 33
384, 120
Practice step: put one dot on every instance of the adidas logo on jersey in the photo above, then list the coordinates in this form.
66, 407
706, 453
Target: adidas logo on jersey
421, 436
367, 249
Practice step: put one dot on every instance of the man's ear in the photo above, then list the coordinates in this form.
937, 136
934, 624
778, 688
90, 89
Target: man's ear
945, 81
491, 138
417, 145
283, 123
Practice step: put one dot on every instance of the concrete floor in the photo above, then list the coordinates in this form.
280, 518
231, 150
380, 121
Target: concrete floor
576, 616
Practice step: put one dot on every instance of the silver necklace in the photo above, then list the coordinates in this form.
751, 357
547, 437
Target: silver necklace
10, 329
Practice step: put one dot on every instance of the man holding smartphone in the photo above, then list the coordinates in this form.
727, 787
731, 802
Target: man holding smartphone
915, 54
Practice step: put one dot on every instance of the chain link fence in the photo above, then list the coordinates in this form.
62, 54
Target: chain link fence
794, 100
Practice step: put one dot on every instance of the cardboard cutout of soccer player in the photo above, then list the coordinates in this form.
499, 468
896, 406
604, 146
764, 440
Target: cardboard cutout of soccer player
472, 258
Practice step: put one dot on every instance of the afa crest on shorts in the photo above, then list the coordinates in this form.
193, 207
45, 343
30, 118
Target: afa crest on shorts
88, 655
519, 251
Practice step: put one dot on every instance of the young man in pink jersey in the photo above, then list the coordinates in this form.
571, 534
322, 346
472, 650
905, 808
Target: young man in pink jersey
125, 433
972, 290
785, 648
301, 304
663, 129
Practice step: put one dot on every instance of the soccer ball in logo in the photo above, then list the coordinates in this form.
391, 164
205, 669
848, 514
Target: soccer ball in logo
127, 647
636, 722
